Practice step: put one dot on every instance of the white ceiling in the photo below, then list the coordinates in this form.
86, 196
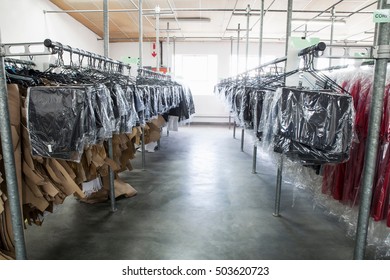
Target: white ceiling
357, 14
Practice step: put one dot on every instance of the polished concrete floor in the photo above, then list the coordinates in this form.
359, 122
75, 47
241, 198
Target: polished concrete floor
197, 199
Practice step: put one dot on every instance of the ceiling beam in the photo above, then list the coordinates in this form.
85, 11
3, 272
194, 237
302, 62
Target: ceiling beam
200, 10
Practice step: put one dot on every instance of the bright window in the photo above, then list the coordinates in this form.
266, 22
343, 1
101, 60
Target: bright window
199, 72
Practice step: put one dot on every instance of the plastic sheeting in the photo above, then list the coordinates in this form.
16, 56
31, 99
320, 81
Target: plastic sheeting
343, 181
62, 120
105, 119
313, 127
58, 119
301, 177
293, 125
242, 102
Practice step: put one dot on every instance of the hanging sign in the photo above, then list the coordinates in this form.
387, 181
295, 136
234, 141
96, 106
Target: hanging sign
130, 60
381, 16
154, 54
299, 43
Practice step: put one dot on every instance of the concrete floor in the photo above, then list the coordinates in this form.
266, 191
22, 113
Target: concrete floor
197, 199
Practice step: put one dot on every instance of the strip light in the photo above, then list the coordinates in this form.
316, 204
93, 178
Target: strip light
318, 21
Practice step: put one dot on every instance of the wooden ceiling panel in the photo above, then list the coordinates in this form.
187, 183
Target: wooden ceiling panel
125, 24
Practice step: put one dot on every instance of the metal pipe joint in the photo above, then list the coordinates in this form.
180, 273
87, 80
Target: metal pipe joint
382, 51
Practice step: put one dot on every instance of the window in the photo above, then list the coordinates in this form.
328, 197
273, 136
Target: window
199, 72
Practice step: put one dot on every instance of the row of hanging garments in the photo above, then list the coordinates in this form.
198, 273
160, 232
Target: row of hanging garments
343, 181
312, 127
323, 128
60, 120
92, 106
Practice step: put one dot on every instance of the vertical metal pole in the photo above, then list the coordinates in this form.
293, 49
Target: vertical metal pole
254, 159
231, 56
141, 37
379, 5
158, 38
288, 30
237, 69
238, 48
159, 140
174, 54
278, 192
141, 33
248, 14
279, 175
248, 10
110, 150
106, 29
305, 31
242, 139
261, 31
288, 27
168, 50
376, 109
331, 36
231, 72
143, 147
9, 167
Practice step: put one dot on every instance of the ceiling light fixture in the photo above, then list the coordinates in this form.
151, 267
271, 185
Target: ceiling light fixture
318, 21
187, 19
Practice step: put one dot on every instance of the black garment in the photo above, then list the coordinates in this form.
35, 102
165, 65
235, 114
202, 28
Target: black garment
119, 105
57, 121
104, 114
314, 127
131, 118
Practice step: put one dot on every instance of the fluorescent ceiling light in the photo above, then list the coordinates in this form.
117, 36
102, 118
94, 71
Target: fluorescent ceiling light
318, 21
187, 19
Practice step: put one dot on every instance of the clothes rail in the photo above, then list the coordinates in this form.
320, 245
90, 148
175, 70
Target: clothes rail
149, 73
48, 48
255, 70
19, 61
57, 48
29, 49
313, 50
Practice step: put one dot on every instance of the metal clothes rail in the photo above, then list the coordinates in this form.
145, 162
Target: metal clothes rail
381, 53
19, 61
50, 47
143, 72
108, 63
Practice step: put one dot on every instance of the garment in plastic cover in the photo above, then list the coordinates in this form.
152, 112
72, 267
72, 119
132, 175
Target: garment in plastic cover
314, 127
119, 105
56, 121
130, 120
103, 110
90, 116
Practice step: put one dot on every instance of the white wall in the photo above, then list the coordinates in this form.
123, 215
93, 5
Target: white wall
24, 21
207, 105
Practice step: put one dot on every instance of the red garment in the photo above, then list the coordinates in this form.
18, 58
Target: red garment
380, 199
